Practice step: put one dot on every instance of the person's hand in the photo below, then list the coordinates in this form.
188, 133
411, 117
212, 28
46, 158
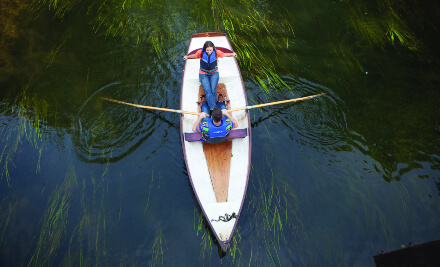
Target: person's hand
203, 115
235, 123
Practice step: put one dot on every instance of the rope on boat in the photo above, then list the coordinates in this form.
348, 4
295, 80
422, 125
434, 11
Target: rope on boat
226, 218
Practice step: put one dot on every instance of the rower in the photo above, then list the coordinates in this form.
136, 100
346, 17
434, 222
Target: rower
214, 129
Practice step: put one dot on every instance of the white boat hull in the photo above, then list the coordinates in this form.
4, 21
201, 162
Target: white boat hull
216, 213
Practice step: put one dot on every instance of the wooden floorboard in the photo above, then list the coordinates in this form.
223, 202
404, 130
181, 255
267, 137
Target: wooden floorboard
221, 89
218, 157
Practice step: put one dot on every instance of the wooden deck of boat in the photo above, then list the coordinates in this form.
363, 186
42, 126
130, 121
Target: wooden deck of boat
218, 157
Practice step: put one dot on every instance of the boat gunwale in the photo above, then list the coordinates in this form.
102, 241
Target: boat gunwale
210, 34
224, 244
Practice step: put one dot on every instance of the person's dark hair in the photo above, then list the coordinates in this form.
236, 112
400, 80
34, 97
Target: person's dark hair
208, 44
216, 115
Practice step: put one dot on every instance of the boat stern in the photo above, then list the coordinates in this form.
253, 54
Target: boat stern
223, 218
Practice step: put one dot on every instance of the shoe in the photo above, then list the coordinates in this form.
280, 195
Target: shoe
226, 98
220, 97
202, 99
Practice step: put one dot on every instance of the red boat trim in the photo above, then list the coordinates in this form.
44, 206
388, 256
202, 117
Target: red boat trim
209, 34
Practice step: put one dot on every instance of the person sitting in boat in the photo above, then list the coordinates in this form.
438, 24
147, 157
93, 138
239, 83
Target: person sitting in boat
208, 72
216, 128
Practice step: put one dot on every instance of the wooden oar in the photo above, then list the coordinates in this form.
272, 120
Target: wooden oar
230, 110
275, 103
149, 107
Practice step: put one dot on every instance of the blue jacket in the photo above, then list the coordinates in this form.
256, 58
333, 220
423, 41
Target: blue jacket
216, 134
208, 63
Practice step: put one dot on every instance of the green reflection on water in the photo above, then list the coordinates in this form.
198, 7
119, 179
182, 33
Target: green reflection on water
274, 214
389, 28
157, 250
7, 211
54, 222
30, 119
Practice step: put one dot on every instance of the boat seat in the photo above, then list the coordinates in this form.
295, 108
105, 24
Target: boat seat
233, 134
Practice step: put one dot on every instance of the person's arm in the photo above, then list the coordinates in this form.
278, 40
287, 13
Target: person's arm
185, 57
199, 119
221, 54
233, 54
192, 56
229, 116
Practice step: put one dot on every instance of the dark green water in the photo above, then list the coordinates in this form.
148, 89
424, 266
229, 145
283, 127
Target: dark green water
334, 180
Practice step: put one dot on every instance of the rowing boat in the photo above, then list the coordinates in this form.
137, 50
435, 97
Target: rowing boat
218, 173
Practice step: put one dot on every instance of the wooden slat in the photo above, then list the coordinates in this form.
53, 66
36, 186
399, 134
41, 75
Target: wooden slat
233, 134
218, 157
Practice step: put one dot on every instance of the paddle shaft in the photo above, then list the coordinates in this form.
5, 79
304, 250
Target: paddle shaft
275, 103
229, 110
149, 107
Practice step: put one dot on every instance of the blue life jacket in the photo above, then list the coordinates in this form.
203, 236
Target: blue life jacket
217, 134
208, 63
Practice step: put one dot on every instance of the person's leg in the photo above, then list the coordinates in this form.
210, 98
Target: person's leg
214, 82
221, 105
206, 85
204, 108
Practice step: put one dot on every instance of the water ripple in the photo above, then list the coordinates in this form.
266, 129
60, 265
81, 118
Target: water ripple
107, 132
319, 122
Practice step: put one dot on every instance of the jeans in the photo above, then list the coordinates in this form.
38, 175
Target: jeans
205, 108
209, 84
